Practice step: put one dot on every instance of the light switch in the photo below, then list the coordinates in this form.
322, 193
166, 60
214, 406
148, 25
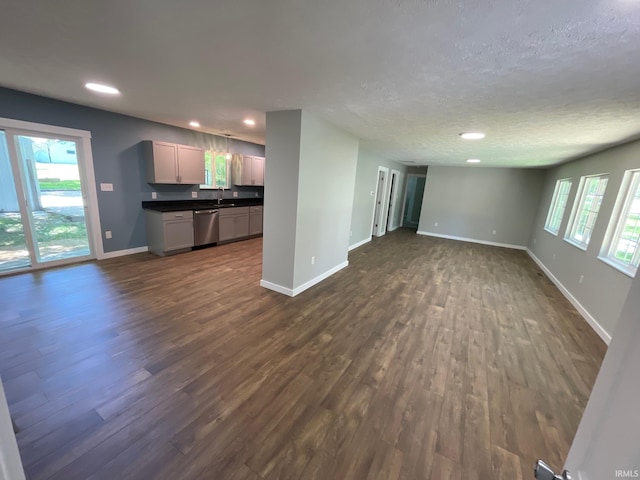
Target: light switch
106, 187
194, 194
154, 195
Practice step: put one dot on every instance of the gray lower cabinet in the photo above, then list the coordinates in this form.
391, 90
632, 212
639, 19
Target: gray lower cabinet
255, 220
234, 223
169, 232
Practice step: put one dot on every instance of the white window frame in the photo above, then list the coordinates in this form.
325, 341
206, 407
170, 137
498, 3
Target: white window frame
628, 190
578, 211
227, 186
558, 205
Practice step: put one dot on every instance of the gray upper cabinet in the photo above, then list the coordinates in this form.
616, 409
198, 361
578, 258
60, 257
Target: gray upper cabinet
248, 170
173, 163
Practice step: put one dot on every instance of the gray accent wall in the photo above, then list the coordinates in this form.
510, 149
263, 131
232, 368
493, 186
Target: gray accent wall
604, 289
472, 202
363, 201
118, 159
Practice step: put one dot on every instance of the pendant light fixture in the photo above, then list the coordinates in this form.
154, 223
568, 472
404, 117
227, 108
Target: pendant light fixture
228, 154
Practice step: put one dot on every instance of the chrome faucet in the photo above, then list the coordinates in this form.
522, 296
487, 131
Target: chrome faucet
220, 195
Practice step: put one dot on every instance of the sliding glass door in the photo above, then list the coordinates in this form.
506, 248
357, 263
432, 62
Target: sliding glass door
42, 207
14, 252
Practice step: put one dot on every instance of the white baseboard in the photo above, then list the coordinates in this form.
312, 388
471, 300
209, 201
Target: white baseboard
276, 288
122, 253
472, 240
573, 300
359, 244
296, 291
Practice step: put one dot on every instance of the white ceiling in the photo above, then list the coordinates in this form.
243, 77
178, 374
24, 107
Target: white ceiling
546, 80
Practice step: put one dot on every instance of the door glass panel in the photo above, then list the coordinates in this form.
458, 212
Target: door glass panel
54, 197
13, 246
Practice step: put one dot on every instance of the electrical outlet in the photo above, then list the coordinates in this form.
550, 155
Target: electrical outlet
257, 194
313, 260
154, 195
581, 279
107, 234
554, 257
435, 224
494, 232
371, 193
351, 233
235, 194
534, 241
194, 194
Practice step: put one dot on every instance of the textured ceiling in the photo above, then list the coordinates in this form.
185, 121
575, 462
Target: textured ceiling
547, 81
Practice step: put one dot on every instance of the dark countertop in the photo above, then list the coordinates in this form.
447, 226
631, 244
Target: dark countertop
177, 205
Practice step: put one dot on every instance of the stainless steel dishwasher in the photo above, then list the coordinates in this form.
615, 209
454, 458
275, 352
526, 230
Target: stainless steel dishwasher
206, 227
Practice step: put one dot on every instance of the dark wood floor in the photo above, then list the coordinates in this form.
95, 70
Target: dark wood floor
424, 359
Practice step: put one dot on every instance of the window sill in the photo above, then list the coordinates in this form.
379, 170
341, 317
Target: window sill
581, 246
628, 271
555, 234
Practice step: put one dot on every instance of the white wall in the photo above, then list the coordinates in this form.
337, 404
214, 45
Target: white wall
10, 464
471, 202
608, 438
363, 202
309, 184
604, 289
328, 161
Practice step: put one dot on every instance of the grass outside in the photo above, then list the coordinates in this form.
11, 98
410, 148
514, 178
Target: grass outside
56, 184
50, 227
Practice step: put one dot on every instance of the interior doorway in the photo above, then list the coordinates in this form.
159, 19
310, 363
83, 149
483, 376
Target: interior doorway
44, 191
412, 204
394, 192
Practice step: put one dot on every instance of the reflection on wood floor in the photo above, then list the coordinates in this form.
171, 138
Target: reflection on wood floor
424, 359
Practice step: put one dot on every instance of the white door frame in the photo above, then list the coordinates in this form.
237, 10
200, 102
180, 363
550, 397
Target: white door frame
85, 167
381, 220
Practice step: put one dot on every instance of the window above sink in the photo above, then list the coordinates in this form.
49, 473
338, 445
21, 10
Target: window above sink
217, 170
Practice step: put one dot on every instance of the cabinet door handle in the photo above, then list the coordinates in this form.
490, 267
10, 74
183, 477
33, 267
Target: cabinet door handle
179, 215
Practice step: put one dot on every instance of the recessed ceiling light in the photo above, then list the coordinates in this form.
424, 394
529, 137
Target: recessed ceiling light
472, 135
193, 123
249, 122
473, 160
101, 88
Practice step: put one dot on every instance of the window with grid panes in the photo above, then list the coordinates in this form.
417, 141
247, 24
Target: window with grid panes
558, 205
621, 247
585, 210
